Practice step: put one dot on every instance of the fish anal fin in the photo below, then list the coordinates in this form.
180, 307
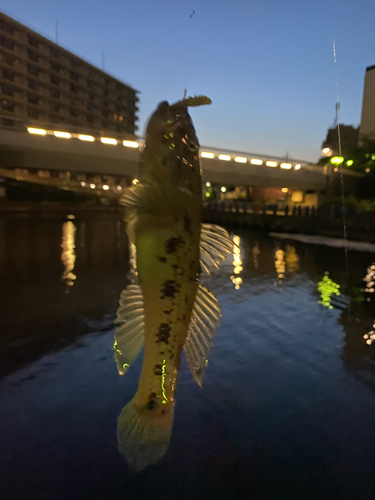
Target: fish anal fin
205, 320
129, 333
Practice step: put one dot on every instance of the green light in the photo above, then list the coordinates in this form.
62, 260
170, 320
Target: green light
208, 194
336, 160
169, 122
163, 382
172, 146
372, 157
125, 366
327, 287
350, 163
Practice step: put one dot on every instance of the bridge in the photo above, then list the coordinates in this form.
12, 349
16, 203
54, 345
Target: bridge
76, 158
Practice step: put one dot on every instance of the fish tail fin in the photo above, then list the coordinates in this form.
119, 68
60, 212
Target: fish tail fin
143, 434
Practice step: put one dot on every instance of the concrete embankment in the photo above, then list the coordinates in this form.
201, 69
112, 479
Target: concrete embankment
357, 228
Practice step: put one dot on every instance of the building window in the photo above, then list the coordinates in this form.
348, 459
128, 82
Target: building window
5, 42
32, 113
72, 101
54, 52
32, 70
32, 56
74, 88
105, 92
33, 41
90, 119
54, 106
7, 123
8, 106
6, 27
8, 74
54, 93
90, 107
73, 112
32, 84
73, 63
55, 66
104, 124
105, 104
74, 76
53, 79
32, 98
54, 119
9, 59
8, 90
90, 84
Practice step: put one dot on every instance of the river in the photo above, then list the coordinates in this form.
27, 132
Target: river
287, 409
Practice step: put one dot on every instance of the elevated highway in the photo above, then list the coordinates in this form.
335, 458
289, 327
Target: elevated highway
88, 153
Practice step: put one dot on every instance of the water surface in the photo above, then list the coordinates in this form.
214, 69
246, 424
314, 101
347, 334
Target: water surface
288, 404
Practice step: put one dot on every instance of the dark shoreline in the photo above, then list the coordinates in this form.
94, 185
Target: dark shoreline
358, 228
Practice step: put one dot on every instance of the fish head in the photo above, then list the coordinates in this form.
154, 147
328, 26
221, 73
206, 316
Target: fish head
171, 149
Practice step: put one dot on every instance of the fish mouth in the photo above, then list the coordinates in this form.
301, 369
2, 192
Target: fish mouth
197, 100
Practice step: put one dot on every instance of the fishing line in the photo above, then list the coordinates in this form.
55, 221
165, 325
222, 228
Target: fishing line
337, 120
191, 16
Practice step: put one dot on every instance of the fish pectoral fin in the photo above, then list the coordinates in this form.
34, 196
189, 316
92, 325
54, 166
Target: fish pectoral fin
205, 320
155, 198
215, 245
129, 333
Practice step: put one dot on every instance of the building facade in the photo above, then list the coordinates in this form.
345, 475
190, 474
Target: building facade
44, 85
367, 127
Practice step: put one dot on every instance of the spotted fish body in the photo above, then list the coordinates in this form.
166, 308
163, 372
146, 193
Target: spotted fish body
168, 309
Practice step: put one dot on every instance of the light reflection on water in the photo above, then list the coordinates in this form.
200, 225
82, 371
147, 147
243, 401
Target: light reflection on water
237, 263
68, 256
289, 392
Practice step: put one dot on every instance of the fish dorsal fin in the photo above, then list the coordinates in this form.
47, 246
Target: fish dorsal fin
215, 245
205, 320
129, 333
155, 198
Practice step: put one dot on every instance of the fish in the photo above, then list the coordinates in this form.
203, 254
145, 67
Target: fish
165, 308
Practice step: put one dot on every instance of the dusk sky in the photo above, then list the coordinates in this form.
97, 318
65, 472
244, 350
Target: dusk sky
267, 65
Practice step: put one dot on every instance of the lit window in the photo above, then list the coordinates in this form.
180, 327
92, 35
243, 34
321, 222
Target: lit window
206, 154
108, 140
271, 163
224, 157
240, 159
255, 161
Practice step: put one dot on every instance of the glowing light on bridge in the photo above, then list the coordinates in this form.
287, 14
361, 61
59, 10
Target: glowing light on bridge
255, 161
207, 154
271, 163
119, 188
240, 159
83, 183
130, 144
208, 184
286, 165
108, 140
37, 131
297, 167
223, 189
135, 181
284, 190
224, 157
62, 135
88, 138
336, 160
105, 187
92, 186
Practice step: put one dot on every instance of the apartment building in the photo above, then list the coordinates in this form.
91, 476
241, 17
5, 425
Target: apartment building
44, 85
